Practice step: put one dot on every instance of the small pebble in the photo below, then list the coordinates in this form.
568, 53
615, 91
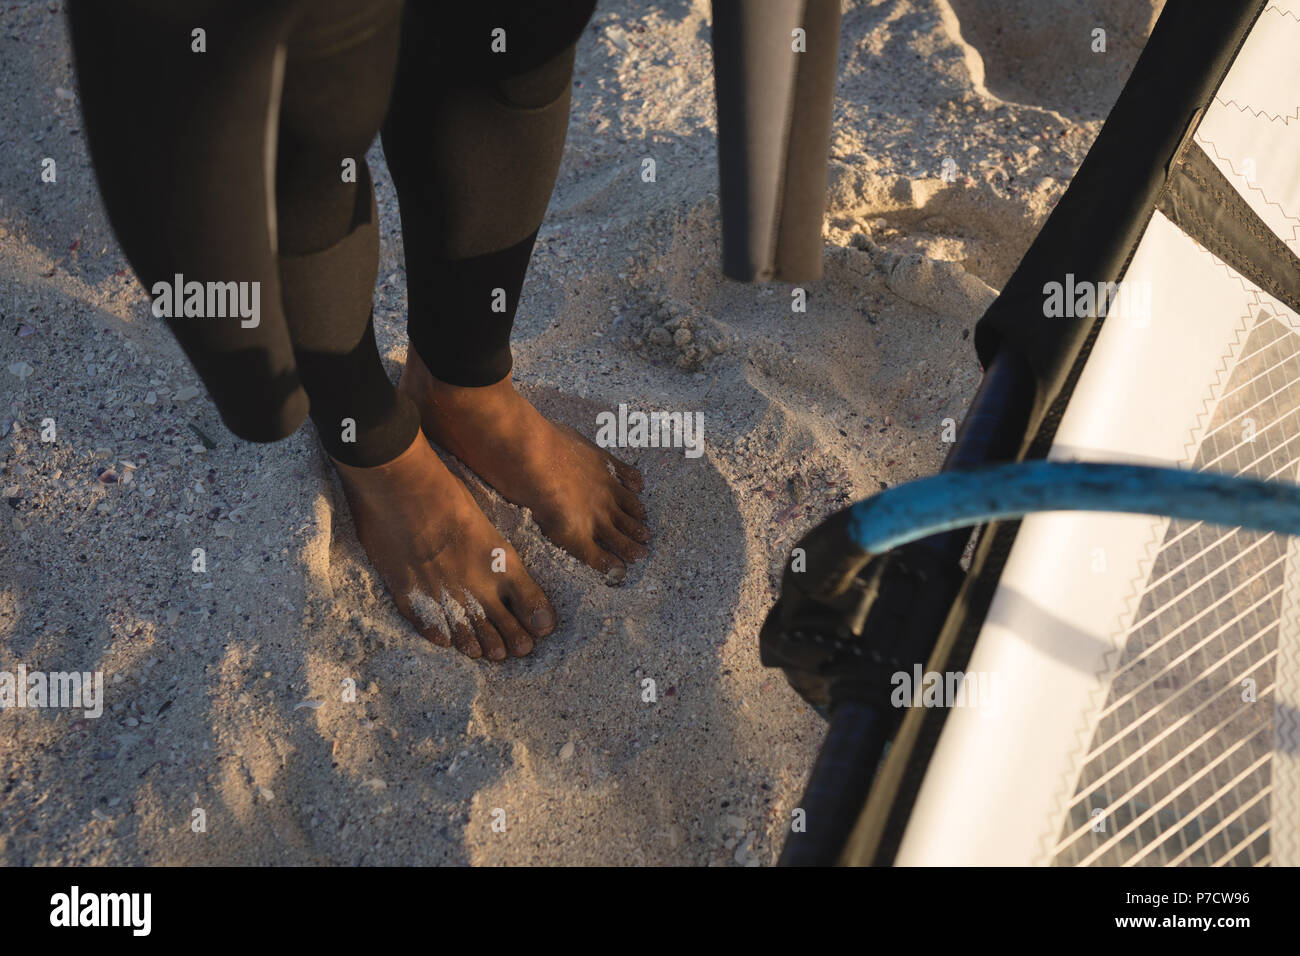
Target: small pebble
185, 394
566, 752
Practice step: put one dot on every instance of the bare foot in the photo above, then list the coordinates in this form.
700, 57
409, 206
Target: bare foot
583, 498
434, 548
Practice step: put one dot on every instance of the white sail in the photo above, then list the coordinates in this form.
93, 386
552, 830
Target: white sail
1150, 670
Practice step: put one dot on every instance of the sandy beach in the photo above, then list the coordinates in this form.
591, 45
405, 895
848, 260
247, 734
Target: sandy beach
231, 691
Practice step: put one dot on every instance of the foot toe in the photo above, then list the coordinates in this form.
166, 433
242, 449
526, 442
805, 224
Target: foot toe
517, 640
629, 502
526, 603
629, 476
463, 639
620, 544
490, 640
423, 612
591, 553
629, 526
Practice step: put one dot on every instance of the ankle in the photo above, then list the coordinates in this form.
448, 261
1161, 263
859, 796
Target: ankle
393, 470
427, 390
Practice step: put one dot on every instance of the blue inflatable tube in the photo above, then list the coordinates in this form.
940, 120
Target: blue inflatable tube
960, 499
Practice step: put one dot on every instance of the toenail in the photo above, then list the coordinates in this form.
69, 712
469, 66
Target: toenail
541, 621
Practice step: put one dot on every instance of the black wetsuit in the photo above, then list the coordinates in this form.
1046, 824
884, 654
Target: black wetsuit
228, 166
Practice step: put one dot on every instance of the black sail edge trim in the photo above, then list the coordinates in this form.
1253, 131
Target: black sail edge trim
1205, 205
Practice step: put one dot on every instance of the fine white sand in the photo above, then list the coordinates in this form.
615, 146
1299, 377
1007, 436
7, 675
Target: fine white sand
207, 674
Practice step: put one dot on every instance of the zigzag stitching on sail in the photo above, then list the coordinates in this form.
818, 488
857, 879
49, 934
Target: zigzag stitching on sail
1284, 119
1274, 8
1271, 117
